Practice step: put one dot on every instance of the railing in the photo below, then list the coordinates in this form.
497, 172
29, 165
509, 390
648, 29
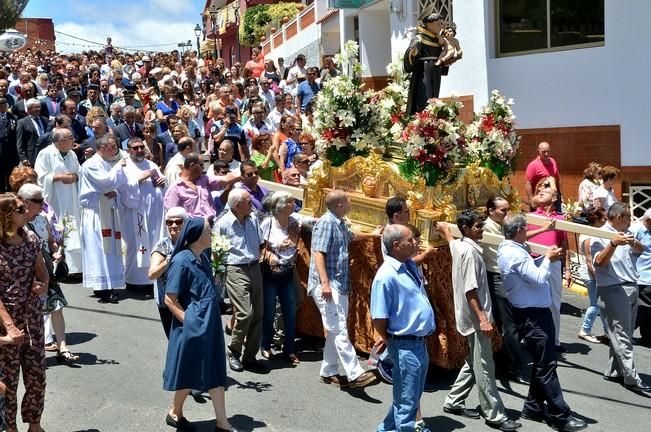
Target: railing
639, 199
290, 29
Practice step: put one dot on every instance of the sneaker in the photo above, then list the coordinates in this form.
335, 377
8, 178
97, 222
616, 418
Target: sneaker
363, 380
588, 337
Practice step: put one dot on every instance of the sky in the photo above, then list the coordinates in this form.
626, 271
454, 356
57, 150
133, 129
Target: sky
130, 23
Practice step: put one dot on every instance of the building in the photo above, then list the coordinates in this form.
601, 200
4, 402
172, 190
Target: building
574, 69
39, 31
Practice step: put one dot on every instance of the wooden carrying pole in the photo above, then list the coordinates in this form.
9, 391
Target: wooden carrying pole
571, 227
495, 240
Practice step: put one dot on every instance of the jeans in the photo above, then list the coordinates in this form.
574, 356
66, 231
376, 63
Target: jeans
281, 286
593, 310
411, 361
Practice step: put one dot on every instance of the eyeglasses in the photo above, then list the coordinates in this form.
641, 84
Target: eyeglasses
247, 202
251, 174
21, 209
172, 222
137, 148
36, 200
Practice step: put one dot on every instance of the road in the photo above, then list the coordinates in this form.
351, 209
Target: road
117, 385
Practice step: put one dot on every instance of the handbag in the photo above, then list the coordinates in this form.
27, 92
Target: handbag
61, 270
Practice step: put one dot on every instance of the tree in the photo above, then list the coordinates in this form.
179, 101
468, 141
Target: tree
11, 11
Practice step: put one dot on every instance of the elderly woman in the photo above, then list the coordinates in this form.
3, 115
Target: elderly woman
597, 218
39, 222
604, 196
160, 260
196, 357
590, 183
23, 279
281, 231
642, 232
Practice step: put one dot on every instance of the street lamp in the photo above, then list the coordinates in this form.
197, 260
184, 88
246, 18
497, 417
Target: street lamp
197, 33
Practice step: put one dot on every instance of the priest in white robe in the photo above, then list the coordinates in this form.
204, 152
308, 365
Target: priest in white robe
58, 173
101, 234
141, 212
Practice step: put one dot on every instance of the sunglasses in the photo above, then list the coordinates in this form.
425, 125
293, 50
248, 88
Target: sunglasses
172, 222
251, 174
136, 148
36, 200
21, 209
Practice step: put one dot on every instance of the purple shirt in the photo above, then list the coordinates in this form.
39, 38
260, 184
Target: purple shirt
197, 203
256, 196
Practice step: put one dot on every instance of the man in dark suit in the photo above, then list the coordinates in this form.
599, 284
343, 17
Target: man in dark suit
69, 108
27, 91
4, 87
31, 133
49, 104
104, 95
8, 150
128, 129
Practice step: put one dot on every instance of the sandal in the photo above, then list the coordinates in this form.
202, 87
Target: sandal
292, 359
66, 357
267, 354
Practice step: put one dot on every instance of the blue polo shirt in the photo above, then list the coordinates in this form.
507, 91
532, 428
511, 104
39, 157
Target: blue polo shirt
643, 263
306, 92
398, 294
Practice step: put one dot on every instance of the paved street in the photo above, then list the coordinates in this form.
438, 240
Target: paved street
117, 386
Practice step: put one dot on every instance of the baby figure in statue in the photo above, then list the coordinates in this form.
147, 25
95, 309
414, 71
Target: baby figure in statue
451, 49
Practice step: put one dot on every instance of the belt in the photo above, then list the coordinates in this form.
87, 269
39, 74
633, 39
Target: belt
406, 337
249, 264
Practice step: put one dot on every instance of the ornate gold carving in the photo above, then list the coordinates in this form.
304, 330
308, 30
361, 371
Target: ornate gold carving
371, 180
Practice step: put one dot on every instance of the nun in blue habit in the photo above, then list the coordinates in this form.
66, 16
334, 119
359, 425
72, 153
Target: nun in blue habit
196, 357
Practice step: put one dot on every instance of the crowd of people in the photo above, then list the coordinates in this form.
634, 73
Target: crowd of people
118, 169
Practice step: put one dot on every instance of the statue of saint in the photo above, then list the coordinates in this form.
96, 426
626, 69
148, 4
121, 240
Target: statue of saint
428, 57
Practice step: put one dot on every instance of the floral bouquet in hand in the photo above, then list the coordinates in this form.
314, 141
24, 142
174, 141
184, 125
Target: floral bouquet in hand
433, 142
64, 228
219, 247
347, 121
491, 137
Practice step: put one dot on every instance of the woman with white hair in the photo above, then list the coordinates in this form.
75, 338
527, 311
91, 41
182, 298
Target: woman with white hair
160, 260
281, 231
54, 301
642, 232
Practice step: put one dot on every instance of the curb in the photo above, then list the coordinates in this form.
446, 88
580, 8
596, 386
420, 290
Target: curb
577, 289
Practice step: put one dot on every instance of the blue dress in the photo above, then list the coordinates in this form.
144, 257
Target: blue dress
196, 357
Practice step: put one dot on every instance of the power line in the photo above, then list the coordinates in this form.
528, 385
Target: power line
119, 47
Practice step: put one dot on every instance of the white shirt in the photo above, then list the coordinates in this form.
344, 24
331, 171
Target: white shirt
469, 273
525, 280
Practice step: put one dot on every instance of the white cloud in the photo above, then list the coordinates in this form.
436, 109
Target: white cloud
132, 24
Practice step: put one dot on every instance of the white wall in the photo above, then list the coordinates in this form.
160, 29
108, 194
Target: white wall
375, 48
468, 76
290, 48
591, 86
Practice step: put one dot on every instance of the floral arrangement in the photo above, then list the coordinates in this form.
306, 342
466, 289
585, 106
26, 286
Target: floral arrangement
571, 208
433, 142
219, 248
491, 137
64, 228
393, 102
347, 121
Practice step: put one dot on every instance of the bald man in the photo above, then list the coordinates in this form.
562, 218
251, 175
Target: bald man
542, 166
329, 285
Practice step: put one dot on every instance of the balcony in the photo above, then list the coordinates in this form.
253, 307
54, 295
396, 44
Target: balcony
301, 21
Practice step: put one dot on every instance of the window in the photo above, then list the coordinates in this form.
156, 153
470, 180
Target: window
549, 25
441, 7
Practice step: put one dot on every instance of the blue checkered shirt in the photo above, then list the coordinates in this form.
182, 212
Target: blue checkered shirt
245, 239
331, 236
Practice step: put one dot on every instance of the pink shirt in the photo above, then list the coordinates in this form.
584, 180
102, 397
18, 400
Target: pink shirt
537, 170
197, 203
548, 238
